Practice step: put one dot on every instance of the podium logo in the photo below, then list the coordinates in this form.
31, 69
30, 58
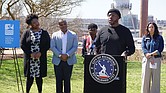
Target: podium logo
103, 68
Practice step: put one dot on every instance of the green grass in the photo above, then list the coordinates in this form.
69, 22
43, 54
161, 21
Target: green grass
8, 77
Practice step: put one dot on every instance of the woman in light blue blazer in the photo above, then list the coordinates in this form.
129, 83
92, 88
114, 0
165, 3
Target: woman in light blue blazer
64, 44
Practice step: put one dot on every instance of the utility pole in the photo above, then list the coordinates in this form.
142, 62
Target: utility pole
143, 17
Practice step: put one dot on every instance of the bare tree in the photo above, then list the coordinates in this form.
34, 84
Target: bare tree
76, 25
51, 7
49, 24
42, 8
1, 5
47, 10
0, 8
10, 4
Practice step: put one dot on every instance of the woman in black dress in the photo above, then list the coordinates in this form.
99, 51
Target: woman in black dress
35, 42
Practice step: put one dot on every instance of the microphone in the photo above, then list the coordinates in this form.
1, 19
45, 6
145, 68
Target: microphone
92, 49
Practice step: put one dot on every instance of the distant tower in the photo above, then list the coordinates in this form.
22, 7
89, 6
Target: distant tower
124, 7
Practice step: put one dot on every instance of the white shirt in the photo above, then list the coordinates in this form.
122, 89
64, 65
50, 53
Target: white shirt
64, 42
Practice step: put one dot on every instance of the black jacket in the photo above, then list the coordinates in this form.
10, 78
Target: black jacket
84, 50
115, 41
44, 46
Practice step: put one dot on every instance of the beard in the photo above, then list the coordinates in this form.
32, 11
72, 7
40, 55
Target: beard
113, 22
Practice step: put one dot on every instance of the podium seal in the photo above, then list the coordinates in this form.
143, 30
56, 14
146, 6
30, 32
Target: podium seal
103, 68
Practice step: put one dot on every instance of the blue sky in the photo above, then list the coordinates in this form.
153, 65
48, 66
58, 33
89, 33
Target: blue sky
99, 8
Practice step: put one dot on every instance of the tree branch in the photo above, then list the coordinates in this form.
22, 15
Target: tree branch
10, 4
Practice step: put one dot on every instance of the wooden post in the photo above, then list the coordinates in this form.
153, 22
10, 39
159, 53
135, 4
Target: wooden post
143, 17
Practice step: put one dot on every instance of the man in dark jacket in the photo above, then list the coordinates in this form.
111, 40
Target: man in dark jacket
115, 39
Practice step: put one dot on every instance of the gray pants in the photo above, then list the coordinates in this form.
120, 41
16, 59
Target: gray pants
151, 76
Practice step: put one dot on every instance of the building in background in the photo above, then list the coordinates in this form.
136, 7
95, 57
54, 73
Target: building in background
127, 21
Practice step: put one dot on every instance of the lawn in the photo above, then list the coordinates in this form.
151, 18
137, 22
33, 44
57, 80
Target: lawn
8, 77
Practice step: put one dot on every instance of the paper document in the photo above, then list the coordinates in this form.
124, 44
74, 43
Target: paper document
153, 66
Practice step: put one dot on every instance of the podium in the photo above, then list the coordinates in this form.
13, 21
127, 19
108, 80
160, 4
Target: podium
111, 82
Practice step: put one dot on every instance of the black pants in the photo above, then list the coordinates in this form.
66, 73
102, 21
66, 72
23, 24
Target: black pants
63, 74
29, 82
